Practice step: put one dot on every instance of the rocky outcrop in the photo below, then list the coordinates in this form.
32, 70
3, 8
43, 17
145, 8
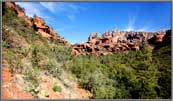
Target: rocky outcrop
94, 35
45, 31
37, 22
114, 41
157, 38
19, 11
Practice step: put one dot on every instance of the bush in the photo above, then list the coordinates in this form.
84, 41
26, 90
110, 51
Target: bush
56, 88
54, 68
11, 57
5, 44
33, 76
61, 53
24, 51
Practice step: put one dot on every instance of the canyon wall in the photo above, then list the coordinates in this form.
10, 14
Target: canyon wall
116, 40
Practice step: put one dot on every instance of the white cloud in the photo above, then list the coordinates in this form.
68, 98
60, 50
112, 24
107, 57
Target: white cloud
49, 5
71, 17
67, 9
129, 29
34, 8
132, 20
143, 29
30, 8
146, 26
64, 28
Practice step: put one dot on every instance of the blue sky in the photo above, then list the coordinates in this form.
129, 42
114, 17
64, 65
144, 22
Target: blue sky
76, 20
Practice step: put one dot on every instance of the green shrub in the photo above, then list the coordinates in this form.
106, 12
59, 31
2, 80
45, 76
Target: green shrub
5, 44
33, 90
56, 88
62, 53
33, 76
54, 68
24, 51
38, 53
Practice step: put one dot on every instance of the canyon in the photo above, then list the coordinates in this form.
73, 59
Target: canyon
50, 52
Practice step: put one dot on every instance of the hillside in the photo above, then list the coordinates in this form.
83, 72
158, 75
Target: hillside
33, 59
38, 63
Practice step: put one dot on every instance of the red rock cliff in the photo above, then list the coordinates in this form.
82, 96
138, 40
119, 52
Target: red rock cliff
38, 23
114, 41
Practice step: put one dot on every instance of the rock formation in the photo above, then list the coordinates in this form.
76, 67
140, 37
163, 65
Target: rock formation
45, 31
107, 43
37, 22
114, 41
19, 11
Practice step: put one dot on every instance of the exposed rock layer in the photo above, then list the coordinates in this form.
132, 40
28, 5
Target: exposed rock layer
37, 22
114, 41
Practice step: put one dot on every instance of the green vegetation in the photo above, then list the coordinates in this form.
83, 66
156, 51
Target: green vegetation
10, 15
143, 74
33, 76
39, 55
162, 59
56, 88
5, 44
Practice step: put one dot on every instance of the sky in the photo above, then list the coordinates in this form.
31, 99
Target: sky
74, 21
